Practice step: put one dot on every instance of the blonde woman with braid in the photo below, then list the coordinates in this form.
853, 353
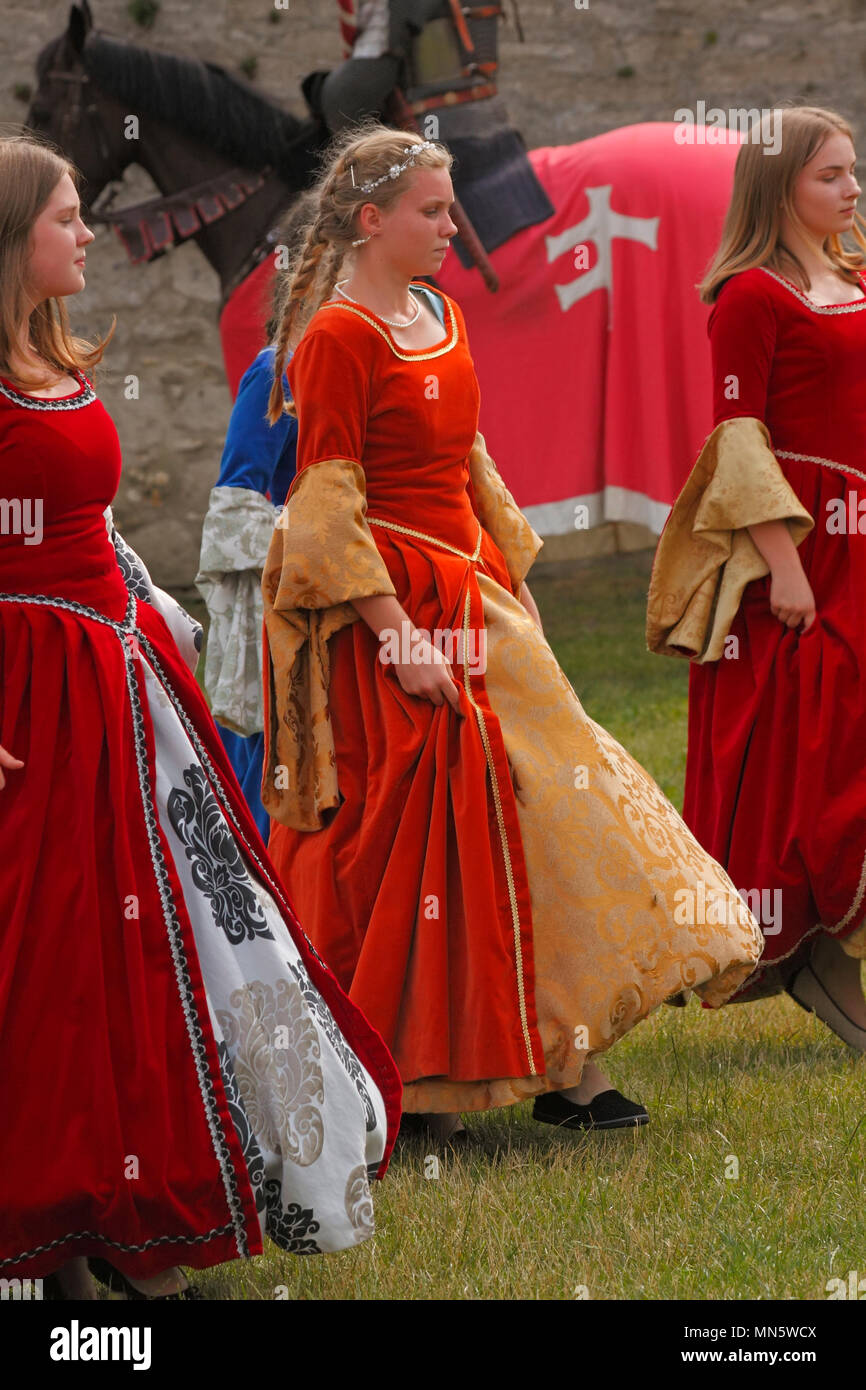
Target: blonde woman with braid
492, 878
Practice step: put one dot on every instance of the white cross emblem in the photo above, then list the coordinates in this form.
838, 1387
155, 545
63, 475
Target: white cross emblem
600, 225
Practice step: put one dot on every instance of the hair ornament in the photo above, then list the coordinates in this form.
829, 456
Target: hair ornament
397, 169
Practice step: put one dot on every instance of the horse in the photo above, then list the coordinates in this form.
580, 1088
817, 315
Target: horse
592, 355
227, 162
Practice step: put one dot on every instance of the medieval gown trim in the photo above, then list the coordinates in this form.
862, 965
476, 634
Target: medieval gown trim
74, 401
405, 354
853, 307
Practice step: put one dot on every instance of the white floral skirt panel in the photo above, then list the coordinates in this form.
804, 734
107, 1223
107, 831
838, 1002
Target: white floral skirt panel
310, 1119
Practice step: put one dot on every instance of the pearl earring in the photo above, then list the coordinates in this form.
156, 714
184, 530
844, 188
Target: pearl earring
360, 241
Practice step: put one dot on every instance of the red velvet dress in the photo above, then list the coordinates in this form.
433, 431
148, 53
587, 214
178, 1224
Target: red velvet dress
363, 870
497, 888
147, 950
776, 770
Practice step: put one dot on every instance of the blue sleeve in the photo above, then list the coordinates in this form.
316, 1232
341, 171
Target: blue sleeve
258, 455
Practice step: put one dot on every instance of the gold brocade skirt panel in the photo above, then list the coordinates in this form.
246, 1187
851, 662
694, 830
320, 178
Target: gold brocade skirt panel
628, 909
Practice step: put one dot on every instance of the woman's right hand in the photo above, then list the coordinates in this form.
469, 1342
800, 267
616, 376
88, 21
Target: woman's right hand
7, 760
791, 597
429, 677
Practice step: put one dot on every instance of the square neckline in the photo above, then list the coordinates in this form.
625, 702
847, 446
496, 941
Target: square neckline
811, 303
441, 344
843, 303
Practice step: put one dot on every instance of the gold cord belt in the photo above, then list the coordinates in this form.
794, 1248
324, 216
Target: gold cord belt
434, 540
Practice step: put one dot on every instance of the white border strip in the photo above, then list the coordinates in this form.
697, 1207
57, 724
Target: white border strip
611, 504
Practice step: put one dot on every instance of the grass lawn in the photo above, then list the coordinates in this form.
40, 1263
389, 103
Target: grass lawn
748, 1182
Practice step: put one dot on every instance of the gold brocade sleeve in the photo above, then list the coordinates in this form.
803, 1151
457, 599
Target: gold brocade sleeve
500, 515
705, 556
322, 555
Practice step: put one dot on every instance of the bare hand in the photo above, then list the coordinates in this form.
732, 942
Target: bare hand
429, 677
791, 598
7, 760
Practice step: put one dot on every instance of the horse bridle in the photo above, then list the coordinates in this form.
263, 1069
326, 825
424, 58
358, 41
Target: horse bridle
71, 123
73, 115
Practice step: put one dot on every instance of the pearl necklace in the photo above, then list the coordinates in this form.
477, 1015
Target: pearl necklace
392, 322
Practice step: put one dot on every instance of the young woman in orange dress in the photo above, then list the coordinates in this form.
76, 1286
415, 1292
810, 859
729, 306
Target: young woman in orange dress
496, 882
761, 569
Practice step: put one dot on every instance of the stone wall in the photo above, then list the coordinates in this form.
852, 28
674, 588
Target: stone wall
578, 71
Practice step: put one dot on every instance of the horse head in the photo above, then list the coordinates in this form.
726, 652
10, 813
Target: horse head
210, 142
70, 110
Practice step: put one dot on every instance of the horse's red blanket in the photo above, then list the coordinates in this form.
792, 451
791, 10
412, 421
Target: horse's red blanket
592, 358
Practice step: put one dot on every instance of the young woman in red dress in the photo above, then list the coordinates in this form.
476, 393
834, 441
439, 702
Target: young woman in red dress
490, 875
760, 575
182, 1074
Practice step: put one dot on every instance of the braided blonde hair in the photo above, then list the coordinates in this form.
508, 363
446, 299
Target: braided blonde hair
370, 149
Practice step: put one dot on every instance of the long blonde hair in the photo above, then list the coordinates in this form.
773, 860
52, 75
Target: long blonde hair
763, 190
30, 170
370, 150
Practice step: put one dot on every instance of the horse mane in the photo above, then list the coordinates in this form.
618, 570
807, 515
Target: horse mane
204, 101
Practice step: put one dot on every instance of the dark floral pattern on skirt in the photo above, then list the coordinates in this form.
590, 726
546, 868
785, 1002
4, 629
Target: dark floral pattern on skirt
134, 575
218, 870
292, 1229
253, 1157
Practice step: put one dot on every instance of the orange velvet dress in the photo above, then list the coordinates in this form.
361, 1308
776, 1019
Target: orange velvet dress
504, 892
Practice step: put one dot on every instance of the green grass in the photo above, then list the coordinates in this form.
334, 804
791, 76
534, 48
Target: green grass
529, 1213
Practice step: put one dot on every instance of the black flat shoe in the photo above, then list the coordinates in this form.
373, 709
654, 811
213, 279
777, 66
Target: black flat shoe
119, 1286
607, 1110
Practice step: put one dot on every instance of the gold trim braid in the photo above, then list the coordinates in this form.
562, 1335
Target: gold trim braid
506, 853
409, 355
434, 540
